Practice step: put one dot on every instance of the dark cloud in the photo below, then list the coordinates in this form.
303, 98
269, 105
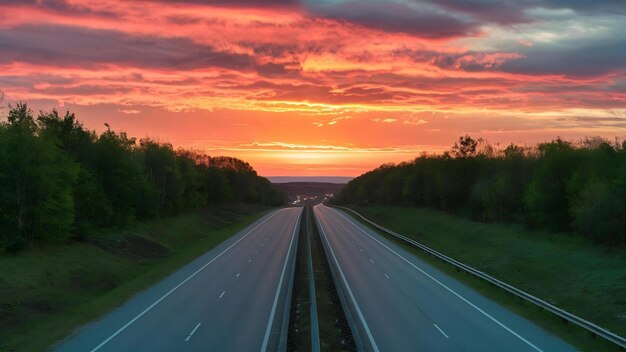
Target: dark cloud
71, 46
272, 69
29, 81
588, 59
84, 89
60, 6
584, 6
397, 17
450, 18
594, 121
496, 11
514, 12
236, 3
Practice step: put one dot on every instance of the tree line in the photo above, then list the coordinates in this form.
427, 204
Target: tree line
559, 185
59, 180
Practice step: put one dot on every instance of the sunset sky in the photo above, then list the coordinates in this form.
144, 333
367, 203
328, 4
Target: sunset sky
324, 87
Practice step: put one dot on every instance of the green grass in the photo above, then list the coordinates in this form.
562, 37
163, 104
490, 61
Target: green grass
562, 269
47, 291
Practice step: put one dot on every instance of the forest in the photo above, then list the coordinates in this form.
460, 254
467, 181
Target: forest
60, 181
560, 186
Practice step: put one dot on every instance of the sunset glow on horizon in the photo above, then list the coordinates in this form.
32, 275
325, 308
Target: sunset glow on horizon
322, 88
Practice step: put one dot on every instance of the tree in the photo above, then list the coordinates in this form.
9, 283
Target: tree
120, 169
465, 147
92, 207
217, 188
190, 168
162, 167
547, 198
600, 214
36, 181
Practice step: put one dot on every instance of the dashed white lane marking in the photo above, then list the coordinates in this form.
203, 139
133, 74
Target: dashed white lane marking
181, 283
372, 261
446, 287
237, 275
223, 293
193, 332
361, 249
387, 276
270, 321
249, 260
441, 331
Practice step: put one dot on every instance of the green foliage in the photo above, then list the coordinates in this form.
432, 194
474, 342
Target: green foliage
60, 180
93, 209
547, 197
600, 214
162, 167
559, 186
36, 181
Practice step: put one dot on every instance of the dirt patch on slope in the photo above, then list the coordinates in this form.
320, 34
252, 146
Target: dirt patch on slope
132, 247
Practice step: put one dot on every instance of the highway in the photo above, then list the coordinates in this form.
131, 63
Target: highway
233, 298
401, 303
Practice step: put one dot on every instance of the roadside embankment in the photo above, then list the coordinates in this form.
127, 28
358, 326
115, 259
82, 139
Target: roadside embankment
46, 291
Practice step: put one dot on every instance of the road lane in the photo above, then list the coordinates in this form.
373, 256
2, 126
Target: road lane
410, 305
221, 301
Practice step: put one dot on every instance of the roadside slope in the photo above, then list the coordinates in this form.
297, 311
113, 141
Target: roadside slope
45, 292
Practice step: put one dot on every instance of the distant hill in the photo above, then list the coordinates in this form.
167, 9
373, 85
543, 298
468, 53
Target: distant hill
301, 193
317, 179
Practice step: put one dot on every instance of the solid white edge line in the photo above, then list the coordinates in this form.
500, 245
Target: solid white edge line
193, 332
180, 284
356, 305
441, 331
268, 330
446, 287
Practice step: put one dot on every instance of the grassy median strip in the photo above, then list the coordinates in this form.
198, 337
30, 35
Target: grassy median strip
299, 332
47, 291
586, 280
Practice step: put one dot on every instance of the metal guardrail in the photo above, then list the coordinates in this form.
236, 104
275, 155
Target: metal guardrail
566, 316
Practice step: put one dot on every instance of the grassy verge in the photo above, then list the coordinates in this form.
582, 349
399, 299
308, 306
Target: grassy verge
564, 270
45, 292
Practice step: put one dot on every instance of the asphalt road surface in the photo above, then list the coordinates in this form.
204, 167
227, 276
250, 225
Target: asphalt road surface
404, 304
232, 298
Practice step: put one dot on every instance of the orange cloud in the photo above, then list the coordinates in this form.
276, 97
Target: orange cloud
329, 89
